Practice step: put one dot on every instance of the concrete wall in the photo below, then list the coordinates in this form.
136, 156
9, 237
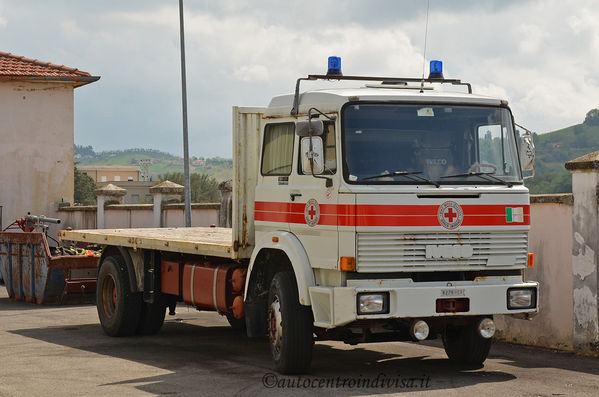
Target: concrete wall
201, 214
36, 149
585, 252
128, 216
550, 240
78, 217
137, 215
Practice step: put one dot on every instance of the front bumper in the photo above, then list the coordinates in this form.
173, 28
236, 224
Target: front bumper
336, 306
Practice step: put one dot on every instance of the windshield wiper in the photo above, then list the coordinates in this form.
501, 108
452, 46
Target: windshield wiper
489, 176
412, 175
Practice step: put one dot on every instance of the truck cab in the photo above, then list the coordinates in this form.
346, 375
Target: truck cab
399, 212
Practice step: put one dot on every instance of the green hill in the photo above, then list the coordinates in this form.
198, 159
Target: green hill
162, 162
555, 148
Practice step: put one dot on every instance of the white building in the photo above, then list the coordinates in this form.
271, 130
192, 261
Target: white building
36, 149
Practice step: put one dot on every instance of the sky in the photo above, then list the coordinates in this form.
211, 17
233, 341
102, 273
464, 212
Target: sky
542, 56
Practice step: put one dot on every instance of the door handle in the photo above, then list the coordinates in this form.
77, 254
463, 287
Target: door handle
293, 195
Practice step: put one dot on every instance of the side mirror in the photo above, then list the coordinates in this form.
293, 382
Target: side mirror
314, 156
527, 152
303, 128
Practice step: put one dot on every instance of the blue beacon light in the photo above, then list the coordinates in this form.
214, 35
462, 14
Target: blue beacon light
334, 66
436, 70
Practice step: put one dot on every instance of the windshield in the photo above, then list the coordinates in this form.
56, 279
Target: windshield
392, 143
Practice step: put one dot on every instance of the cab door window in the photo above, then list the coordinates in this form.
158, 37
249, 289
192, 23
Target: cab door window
277, 153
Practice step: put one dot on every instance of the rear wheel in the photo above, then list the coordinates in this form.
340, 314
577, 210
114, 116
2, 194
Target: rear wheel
118, 308
152, 317
465, 345
290, 329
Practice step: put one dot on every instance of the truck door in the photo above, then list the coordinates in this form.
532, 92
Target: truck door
315, 205
271, 207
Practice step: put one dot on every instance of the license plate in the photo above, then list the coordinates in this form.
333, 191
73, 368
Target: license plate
453, 292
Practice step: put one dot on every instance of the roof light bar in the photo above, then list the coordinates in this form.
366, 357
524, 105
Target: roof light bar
436, 70
334, 66
334, 73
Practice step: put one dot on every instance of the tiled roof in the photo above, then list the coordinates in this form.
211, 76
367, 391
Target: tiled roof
14, 67
167, 187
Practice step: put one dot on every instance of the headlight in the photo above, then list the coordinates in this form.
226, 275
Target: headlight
521, 298
373, 303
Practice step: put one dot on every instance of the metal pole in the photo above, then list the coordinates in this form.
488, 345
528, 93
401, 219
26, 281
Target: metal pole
185, 136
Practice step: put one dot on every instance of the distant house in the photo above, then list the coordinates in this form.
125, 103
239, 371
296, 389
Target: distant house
36, 113
111, 173
127, 177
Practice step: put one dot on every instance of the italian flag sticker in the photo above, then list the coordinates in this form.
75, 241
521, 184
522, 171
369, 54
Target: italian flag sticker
514, 214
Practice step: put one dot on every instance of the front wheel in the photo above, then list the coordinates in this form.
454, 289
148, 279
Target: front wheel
465, 345
118, 308
290, 329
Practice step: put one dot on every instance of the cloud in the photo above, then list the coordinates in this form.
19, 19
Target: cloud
247, 73
532, 37
2, 18
71, 28
541, 56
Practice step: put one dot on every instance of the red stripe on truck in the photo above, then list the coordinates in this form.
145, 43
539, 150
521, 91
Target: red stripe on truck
385, 215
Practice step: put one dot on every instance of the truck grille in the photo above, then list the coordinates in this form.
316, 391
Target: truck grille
388, 252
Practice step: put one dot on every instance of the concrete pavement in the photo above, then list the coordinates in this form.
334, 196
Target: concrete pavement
61, 350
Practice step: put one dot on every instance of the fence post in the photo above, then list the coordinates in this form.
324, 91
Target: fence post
108, 194
585, 251
163, 193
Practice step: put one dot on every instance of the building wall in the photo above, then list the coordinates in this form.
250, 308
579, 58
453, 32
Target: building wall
36, 149
109, 175
550, 240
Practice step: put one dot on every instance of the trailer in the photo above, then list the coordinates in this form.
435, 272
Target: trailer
395, 211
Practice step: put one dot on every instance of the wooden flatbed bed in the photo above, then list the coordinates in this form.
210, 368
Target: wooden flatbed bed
209, 241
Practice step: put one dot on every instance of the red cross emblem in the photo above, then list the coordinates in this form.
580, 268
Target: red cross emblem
450, 215
312, 212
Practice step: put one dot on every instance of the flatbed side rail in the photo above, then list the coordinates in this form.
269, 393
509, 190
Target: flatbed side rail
207, 241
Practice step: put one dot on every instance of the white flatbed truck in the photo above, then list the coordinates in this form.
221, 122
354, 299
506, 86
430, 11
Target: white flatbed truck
391, 212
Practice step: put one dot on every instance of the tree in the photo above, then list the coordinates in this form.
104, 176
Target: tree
592, 117
550, 183
204, 188
84, 150
84, 188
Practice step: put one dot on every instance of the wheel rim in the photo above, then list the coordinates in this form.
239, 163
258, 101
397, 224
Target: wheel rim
109, 295
275, 328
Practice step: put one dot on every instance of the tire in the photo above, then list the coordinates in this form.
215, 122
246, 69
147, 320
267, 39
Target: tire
465, 346
290, 329
119, 309
152, 317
